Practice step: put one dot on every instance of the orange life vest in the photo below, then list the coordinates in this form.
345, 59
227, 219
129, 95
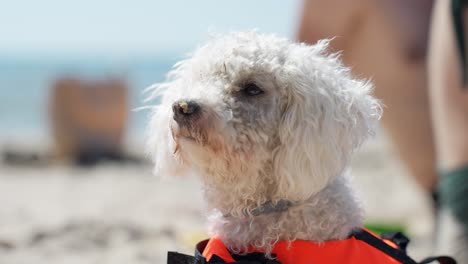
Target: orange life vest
361, 247
351, 250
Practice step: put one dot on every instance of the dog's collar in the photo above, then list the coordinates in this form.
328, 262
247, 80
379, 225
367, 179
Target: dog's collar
267, 208
270, 207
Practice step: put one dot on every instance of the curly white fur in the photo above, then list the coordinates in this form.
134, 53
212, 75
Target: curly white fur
292, 142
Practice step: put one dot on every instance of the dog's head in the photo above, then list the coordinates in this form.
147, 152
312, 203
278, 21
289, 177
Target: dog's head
261, 114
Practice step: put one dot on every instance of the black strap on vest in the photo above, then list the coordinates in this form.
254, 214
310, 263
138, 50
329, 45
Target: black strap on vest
178, 258
398, 238
397, 254
370, 239
440, 259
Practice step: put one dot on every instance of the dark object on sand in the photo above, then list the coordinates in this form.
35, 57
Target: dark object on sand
16, 157
88, 119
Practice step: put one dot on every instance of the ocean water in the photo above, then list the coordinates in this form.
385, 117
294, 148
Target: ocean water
25, 86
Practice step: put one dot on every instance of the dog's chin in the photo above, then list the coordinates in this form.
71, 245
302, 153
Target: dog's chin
186, 140
183, 135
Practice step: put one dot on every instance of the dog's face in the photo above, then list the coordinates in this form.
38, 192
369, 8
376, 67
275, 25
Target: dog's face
261, 115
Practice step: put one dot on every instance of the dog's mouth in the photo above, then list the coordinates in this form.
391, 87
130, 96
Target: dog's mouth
190, 138
195, 134
185, 132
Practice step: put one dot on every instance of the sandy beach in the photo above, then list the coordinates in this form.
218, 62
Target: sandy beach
120, 213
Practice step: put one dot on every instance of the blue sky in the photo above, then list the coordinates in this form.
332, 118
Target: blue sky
126, 27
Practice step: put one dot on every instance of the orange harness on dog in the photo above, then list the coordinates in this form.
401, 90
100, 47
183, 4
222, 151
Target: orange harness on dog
351, 250
361, 247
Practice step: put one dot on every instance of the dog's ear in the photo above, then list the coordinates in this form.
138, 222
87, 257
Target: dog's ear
326, 116
160, 145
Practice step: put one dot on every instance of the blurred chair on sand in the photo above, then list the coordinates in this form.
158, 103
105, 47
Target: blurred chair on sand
88, 119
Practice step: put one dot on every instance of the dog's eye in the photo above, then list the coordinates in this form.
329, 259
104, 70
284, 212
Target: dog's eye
251, 89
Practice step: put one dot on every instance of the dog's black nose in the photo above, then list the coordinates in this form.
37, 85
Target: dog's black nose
185, 109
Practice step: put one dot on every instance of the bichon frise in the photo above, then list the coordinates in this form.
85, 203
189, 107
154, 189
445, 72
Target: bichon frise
270, 127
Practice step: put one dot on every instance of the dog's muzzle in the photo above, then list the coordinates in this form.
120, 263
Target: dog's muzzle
193, 121
185, 110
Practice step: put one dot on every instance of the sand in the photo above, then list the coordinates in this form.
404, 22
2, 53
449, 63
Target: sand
120, 213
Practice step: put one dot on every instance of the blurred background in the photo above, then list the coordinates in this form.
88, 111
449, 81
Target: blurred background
75, 185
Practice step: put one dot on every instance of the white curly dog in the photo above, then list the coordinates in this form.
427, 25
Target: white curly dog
270, 127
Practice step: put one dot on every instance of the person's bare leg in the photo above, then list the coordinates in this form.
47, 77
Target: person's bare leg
407, 122
384, 40
449, 99
449, 102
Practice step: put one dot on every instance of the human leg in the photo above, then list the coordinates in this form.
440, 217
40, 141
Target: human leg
449, 105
